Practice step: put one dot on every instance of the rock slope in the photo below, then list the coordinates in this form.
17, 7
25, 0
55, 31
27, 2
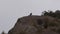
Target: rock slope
36, 25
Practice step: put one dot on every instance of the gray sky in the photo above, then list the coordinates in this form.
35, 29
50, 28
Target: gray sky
11, 10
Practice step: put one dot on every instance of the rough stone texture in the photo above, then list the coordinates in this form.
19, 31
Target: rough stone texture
35, 25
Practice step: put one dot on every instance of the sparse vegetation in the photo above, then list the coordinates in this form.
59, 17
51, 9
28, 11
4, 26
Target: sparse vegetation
55, 14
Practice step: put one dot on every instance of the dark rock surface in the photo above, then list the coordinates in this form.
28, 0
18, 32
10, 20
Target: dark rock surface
36, 25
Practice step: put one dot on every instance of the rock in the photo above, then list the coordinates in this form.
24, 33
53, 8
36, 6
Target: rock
34, 25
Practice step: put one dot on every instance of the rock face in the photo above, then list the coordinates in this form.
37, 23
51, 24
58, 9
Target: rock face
36, 25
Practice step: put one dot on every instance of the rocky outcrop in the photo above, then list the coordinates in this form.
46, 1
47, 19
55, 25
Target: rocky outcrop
36, 25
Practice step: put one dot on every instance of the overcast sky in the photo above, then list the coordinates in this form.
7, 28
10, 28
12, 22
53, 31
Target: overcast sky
11, 10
